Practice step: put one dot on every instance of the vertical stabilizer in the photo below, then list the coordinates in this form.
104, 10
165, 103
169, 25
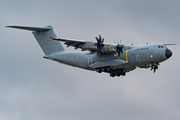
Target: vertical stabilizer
48, 46
42, 36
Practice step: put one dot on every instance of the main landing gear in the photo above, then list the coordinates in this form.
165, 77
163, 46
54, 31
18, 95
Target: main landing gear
117, 74
112, 72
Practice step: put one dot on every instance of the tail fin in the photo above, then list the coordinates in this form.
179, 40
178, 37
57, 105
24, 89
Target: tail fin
42, 36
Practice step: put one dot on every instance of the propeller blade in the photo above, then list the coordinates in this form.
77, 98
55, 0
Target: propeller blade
96, 38
121, 51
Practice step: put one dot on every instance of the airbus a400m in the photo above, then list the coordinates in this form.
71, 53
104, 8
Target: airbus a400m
115, 59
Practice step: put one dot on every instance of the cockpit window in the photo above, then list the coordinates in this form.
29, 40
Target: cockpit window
160, 46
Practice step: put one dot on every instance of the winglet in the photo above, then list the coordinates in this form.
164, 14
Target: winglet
37, 29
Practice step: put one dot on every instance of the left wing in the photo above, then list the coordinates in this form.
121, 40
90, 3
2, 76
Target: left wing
68, 40
84, 45
98, 46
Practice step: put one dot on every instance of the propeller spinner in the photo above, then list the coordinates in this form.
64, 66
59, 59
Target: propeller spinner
119, 50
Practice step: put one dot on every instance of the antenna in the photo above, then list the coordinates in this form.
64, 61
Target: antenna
120, 41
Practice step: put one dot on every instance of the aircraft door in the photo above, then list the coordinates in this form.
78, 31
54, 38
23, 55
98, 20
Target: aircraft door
89, 61
138, 58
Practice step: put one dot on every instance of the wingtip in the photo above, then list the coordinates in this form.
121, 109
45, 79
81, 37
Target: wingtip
14, 26
170, 44
7, 26
11, 26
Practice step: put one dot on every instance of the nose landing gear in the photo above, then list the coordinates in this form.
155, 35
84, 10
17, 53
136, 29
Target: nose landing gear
154, 66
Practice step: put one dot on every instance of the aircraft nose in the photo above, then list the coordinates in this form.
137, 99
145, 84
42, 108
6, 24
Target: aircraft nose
168, 53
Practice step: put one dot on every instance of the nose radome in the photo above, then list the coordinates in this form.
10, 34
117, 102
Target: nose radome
168, 53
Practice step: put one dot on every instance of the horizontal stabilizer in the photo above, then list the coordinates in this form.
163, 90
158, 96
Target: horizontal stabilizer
37, 29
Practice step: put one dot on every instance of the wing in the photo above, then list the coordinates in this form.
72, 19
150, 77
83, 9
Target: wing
82, 44
170, 44
68, 40
92, 46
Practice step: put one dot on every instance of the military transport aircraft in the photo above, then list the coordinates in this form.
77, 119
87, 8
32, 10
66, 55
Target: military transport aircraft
115, 59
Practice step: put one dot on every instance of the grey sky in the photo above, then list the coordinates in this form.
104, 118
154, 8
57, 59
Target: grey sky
35, 88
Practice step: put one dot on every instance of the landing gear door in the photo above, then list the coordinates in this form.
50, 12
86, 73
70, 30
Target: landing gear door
89, 61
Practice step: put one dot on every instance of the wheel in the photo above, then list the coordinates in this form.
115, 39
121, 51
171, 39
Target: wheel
118, 74
112, 75
108, 69
103, 69
123, 74
99, 70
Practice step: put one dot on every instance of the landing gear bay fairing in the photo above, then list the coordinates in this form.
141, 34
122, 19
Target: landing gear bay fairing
115, 59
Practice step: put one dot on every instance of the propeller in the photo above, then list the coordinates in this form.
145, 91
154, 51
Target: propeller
100, 43
119, 50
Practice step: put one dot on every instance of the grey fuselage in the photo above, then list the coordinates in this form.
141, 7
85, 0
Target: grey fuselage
135, 56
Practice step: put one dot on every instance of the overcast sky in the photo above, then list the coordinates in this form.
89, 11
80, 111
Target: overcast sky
33, 88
